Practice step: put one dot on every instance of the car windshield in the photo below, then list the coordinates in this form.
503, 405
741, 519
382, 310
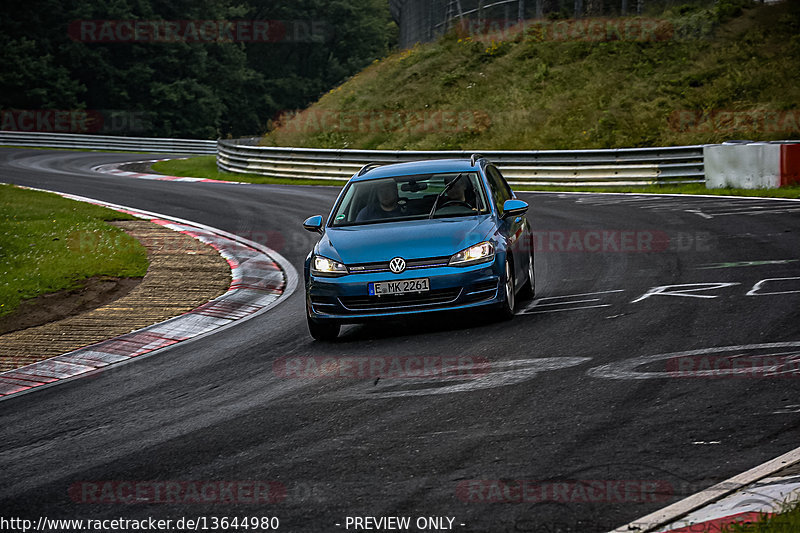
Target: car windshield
454, 194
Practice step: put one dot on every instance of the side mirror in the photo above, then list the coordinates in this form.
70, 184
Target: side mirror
514, 208
314, 224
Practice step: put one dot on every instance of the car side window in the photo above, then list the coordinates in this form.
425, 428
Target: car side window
500, 189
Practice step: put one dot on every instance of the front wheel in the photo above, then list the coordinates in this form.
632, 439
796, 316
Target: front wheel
323, 331
507, 310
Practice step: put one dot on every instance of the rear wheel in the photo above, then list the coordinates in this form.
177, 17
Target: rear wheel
507, 310
323, 330
530, 287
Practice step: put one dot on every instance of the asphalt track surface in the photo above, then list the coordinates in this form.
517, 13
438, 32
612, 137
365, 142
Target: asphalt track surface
568, 402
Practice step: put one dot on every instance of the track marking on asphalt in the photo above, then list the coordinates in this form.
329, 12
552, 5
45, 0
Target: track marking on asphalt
707, 207
685, 290
756, 290
776, 355
787, 410
777, 287
699, 213
737, 264
532, 308
497, 374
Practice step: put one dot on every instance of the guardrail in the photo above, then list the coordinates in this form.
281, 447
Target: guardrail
629, 166
105, 142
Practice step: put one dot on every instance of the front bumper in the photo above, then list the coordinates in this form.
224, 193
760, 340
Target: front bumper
347, 299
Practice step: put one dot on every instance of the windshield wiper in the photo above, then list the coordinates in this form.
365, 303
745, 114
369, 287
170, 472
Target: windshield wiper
444, 191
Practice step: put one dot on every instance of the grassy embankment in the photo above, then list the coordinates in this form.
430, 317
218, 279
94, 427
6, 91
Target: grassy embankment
687, 76
49, 243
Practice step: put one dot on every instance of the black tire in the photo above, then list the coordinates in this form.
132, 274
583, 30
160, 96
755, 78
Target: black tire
510, 299
323, 331
529, 290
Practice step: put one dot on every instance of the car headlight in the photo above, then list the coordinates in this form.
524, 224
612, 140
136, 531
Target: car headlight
322, 266
480, 253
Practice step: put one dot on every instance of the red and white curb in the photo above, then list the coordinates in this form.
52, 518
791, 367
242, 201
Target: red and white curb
763, 490
766, 497
113, 168
261, 279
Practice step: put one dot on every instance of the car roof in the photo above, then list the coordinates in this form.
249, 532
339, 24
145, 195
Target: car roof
417, 167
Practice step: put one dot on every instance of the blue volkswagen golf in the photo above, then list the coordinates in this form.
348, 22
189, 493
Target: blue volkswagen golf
420, 237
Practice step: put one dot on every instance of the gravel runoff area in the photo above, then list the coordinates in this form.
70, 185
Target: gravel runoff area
183, 274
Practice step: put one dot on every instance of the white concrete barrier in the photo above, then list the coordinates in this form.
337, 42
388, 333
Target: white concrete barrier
743, 166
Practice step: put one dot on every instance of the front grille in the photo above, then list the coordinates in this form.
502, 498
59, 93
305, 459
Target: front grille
411, 264
400, 301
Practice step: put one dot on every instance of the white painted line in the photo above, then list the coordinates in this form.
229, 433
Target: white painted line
558, 310
699, 213
787, 209
671, 513
537, 304
757, 287
769, 496
582, 294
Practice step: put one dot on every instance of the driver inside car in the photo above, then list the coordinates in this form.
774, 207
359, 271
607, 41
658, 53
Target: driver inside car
385, 205
456, 192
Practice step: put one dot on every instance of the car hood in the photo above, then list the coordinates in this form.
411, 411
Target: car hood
417, 239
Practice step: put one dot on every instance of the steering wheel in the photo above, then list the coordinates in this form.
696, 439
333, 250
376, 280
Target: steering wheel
456, 202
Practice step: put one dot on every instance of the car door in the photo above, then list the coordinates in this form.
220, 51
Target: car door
513, 228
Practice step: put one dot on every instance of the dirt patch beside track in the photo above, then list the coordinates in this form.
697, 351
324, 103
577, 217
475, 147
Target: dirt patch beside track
183, 274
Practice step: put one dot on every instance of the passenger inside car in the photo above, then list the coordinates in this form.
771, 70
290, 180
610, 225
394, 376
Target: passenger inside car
384, 204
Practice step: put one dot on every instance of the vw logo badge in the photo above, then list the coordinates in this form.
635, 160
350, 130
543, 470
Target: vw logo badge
397, 265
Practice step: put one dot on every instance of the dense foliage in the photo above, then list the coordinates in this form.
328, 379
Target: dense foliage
688, 75
183, 87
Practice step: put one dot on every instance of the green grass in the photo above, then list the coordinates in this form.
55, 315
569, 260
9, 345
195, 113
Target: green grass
788, 522
520, 92
49, 243
205, 166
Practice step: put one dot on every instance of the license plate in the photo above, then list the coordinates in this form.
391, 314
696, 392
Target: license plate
380, 288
